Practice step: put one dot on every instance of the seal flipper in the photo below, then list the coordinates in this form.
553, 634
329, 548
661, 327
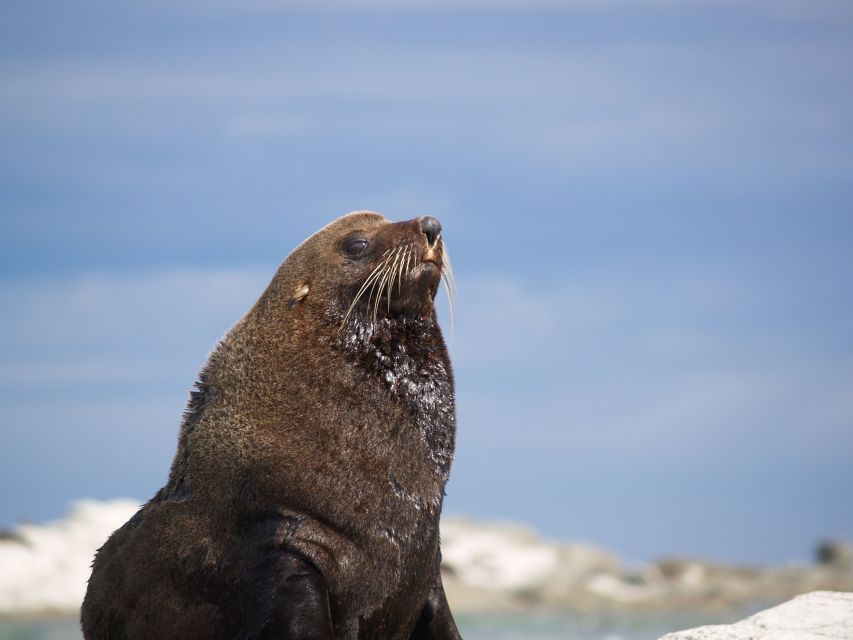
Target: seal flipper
289, 599
436, 621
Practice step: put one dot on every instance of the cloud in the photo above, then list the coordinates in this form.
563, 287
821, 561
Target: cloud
616, 86
783, 8
728, 99
100, 328
639, 310
267, 125
645, 364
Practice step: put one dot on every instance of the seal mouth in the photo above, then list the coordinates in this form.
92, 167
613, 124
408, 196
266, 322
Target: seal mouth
430, 257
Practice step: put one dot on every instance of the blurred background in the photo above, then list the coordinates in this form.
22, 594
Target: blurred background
649, 206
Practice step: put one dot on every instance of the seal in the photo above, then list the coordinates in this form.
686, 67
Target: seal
305, 494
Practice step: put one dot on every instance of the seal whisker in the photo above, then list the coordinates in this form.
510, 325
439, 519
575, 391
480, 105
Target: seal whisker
367, 281
382, 284
378, 280
449, 283
403, 260
447, 271
408, 259
370, 278
398, 254
404, 250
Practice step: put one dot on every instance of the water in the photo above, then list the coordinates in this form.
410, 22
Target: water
581, 627
473, 627
40, 630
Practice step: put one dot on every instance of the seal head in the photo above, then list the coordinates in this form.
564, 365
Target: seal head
362, 258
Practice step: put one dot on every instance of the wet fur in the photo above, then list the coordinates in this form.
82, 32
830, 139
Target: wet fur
304, 498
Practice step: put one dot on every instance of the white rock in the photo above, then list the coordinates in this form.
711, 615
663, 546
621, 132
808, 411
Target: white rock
44, 568
504, 557
820, 615
617, 589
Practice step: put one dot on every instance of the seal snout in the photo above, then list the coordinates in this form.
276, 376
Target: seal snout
401, 273
431, 228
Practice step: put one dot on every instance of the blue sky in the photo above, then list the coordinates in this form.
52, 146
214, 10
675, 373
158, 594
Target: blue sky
649, 207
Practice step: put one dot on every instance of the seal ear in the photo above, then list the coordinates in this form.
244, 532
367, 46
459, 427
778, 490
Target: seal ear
298, 295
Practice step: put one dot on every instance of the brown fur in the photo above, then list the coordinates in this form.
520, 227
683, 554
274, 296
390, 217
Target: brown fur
325, 438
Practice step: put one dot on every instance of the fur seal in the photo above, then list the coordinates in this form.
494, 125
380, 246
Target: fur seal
304, 497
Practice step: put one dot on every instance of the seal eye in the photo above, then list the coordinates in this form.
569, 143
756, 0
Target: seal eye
354, 247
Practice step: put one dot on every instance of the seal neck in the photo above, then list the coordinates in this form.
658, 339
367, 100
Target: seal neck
410, 357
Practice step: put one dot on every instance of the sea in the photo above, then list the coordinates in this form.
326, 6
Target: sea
472, 627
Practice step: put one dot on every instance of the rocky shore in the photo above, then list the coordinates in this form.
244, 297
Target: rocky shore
510, 568
486, 567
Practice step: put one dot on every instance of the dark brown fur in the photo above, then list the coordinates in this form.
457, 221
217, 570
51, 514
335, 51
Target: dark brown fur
305, 494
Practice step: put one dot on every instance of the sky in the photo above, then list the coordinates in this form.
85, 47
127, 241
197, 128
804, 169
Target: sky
649, 206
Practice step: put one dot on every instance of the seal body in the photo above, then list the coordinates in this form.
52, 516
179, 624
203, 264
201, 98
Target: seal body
305, 494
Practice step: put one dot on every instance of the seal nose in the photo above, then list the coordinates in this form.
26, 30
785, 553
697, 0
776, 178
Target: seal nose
431, 228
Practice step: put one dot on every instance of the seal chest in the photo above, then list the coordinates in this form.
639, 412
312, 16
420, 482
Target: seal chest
305, 494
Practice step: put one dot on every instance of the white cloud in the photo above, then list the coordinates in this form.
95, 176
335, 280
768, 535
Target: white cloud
577, 95
268, 124
636, 101
107, 328
781, 8
642, 364
531, 320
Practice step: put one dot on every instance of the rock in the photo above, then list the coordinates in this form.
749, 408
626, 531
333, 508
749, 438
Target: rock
688, 573
504, 567
499, 557
564, 586
467, 599
44, 568
820, 615
835, 553
624, 589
